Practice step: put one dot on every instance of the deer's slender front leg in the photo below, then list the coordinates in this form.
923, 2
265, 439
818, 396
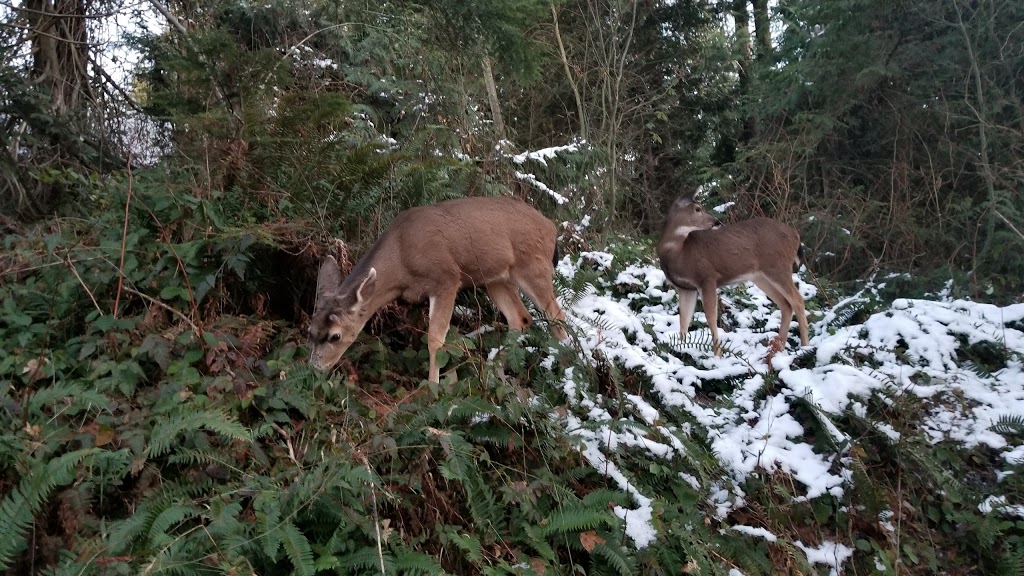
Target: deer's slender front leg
687, 304
441, 307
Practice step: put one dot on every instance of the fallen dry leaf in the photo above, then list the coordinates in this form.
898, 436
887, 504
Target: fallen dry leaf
34, 368
104, 435
590, 539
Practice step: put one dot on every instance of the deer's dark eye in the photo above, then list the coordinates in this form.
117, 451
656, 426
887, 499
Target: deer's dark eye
697, 209
335, 337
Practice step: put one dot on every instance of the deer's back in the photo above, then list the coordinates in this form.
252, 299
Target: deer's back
482, 238
733, 252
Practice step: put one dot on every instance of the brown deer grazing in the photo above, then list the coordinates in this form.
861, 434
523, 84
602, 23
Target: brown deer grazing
698, 254
432, 252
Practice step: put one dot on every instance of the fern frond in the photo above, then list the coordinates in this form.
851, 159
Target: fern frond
565, 521
127, 531
124, 534
297, 547
842, 317
604, 496
268, 515
538, 543
66, 394
166, 433
19, 508
470, 545
467, 408
196, 457
1009, 424
616, 556
411, 562
160, 530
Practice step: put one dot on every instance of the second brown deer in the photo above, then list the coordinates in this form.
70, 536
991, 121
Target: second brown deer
431, 252
699, 254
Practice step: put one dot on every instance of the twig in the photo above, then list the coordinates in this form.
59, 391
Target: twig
67, 260
109, 81
295, 48
288, 443
1008, 223
124, 239
156, 302
38, 32
181, 265
376, 520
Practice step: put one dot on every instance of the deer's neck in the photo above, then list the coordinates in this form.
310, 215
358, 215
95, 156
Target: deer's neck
672, 252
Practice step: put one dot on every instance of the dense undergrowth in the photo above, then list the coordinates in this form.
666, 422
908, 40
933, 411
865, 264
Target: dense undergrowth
158, 417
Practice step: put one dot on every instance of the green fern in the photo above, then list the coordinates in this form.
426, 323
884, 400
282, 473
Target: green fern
616, 556
843, 316
136, 530
604, 497
166, 433
701, 341
160, 533
1013, 562
407, 561
66, 394
297, 547
366, 560
20, 507
1009, 424
536, 539
572, 520
470, 545
268, 515
127, 531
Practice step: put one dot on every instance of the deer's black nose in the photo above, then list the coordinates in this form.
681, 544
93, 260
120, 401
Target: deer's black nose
717, 224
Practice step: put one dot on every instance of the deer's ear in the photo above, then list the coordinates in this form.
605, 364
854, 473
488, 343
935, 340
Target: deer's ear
366, 288
329, 279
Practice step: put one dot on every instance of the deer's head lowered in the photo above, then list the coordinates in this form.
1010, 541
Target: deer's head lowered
339, 314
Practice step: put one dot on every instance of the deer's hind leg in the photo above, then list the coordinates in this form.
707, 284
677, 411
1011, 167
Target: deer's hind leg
782, 301
797, 301
505, 296
709, 297
537, 282
787, 297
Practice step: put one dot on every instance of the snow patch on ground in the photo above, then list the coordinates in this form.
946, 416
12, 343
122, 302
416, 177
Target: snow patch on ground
913, 350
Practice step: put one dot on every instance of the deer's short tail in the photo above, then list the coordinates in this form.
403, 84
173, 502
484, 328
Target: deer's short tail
556, 256
799, 257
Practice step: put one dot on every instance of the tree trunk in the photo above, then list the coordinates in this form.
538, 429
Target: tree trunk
568, 75
762, 28
492, 95
741, 18
60, 51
